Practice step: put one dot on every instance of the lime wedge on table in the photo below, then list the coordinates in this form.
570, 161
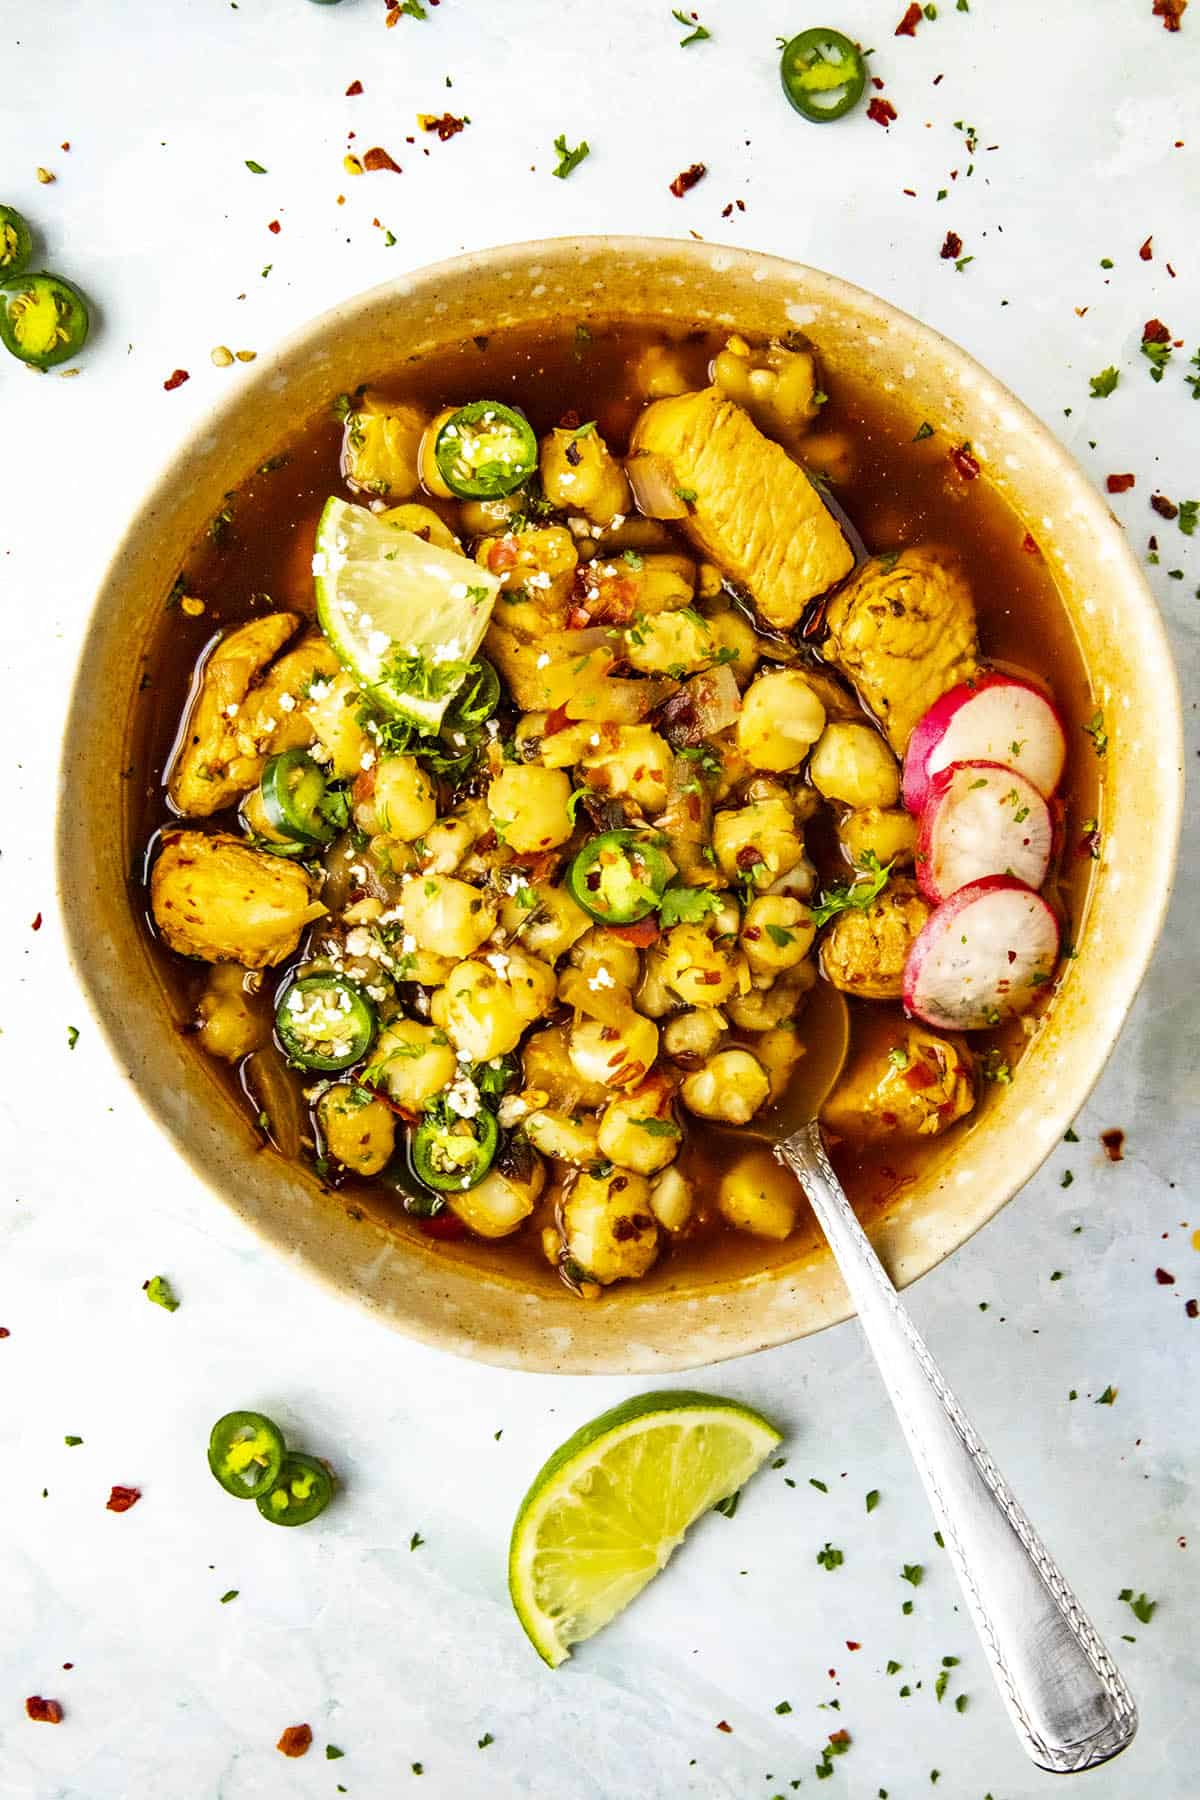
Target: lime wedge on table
404, 617
606, 1512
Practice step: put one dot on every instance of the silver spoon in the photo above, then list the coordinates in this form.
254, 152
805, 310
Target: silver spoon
1065, 1695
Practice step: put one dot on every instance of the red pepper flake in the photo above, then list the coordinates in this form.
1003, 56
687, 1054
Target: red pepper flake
176, 379
952, 246
1146, 252
46, 1712
275, 226
1192, 1309
911, 192
851, 1645
1030, 546
1170, 12
687, 179
839, 1737
4, 1331
1120, 484
964, 462
1155, 332
378, 158
356, 87
556, 720
1114, 1144
447, 126
37, 923
642, 934
1171, 272
1163, 1278
724, 1725
876, 81
882, 111
65, 145
1166, 509
295, 1740
122, 1498
908, 24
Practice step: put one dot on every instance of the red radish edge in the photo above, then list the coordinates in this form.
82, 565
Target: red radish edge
944, 735
980, 819
962, 978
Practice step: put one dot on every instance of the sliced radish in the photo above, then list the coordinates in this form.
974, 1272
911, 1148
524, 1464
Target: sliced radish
984, 955
981, 818
995, 718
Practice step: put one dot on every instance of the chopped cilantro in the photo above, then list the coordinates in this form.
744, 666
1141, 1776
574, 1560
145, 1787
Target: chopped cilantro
686, 906
1108, 1396
485, 1740
228, 1595
1066, 1178
568, 160
415, 1541
158, 1289
1141, 1607
784, 1706
830, 1558
872, 1500
941, 1684
729, 1505
912, 1572
1188, 511
960, 1703
856, 896
894, 1668
1102, 385
658, 1127
924, 430
1158, 355
332, 1753
1095, 730
813, 1482
780, 937
255, 168
698, 32
71, 1442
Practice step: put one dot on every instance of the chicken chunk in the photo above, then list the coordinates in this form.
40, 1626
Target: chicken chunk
913, 1085
214, 898
755, 513
865, 948
218, 759
903, 631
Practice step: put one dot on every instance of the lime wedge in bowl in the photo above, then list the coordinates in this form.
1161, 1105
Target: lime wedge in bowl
405, 617
607, 1511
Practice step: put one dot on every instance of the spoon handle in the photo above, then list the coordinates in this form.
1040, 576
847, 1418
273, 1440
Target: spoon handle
1066, 1696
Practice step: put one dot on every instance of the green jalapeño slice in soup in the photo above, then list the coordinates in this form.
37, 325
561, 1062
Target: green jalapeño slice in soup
513, 770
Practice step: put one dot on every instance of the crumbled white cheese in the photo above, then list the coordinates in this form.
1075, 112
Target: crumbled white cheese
318, 689
616, 522
287, 703
367, 759
511, 1110
231, 711
359, 942
601, 979
543, 660
499, 962
462, 1097
378, 642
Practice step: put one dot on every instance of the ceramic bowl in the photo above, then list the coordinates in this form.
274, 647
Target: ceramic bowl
416, 1286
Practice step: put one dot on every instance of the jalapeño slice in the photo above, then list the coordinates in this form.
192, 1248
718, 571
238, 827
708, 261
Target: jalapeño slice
325, 1022
245, 1453
485, 450
43, 319
823, 74
450, 1154
16, 242
302, 1488
619, 878
293, 788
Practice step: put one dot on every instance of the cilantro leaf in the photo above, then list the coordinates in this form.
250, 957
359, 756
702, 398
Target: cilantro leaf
569, 159
686, 906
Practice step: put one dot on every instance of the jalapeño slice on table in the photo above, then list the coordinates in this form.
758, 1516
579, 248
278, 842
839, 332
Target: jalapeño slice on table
245, 1453
301, 1489
293, 791
823, 74
325, 1022
619, 877
43, 319
16, 243
450, 1154
485, 450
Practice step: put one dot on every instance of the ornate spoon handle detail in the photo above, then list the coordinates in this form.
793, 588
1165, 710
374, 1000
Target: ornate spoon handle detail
1066, 1696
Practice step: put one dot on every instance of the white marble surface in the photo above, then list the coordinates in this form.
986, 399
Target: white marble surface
402, 1656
